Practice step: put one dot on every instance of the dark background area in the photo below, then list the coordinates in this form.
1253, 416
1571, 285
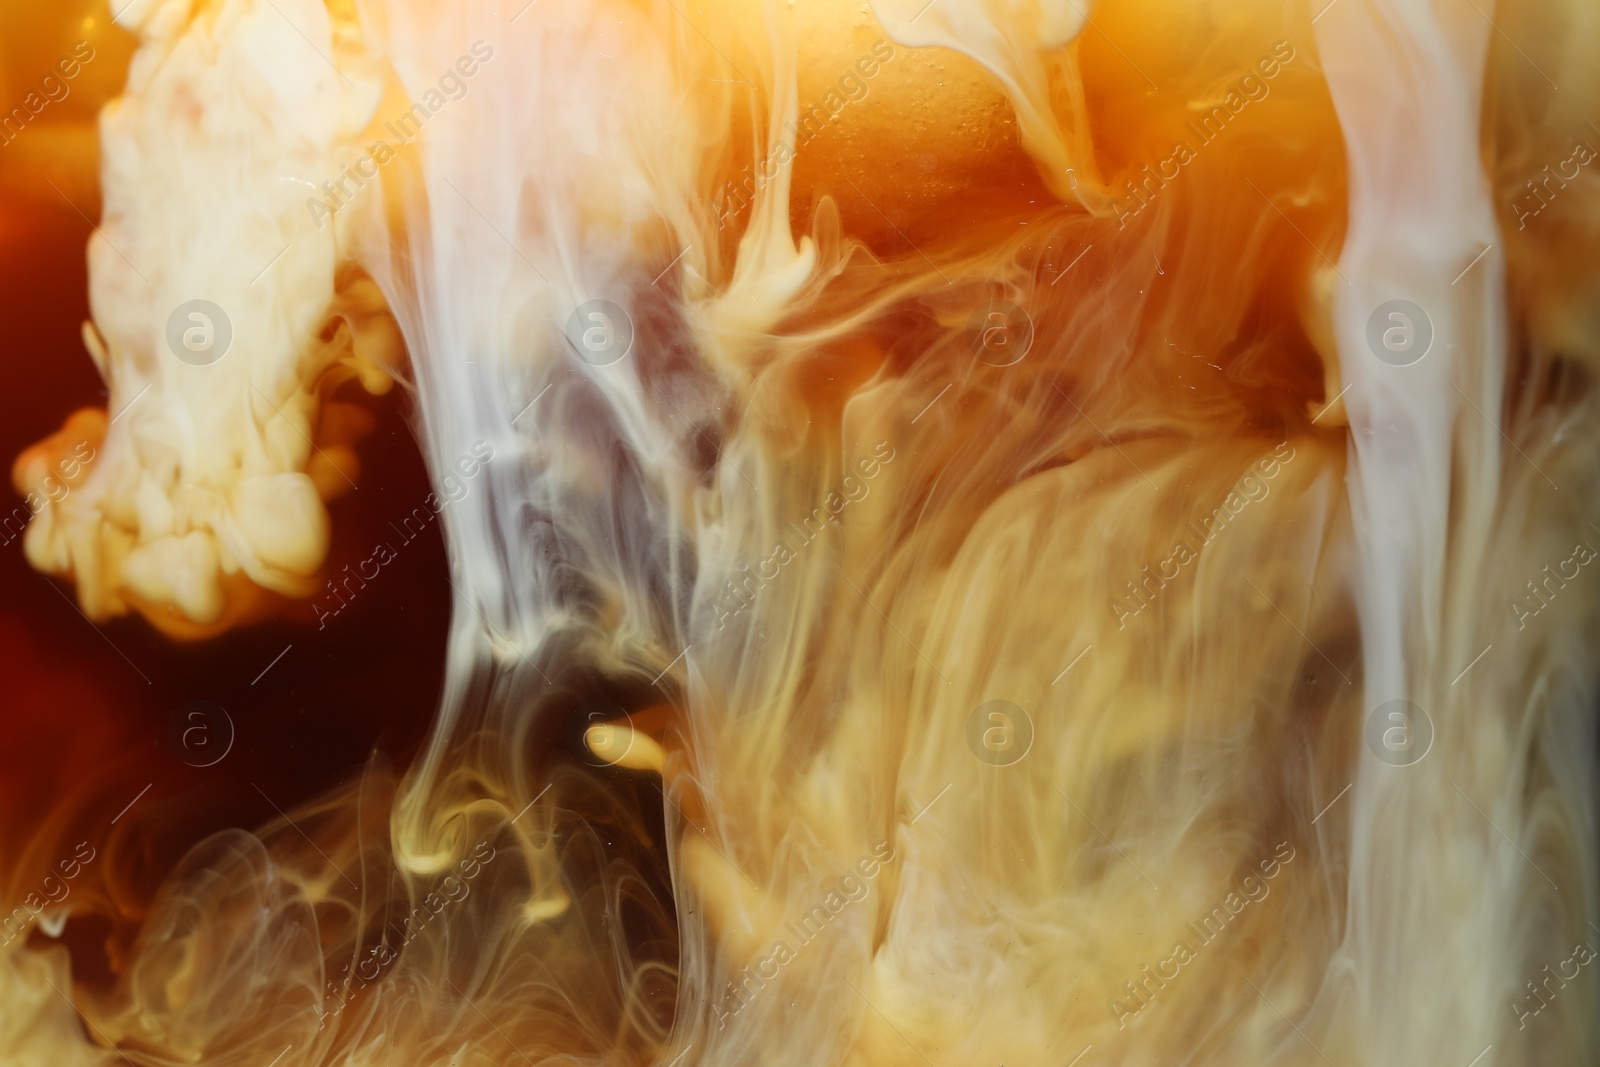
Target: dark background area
86, 711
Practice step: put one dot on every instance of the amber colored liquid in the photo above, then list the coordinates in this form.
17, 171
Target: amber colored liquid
84, 722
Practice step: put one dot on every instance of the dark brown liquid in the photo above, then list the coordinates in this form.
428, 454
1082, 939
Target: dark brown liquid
85, 720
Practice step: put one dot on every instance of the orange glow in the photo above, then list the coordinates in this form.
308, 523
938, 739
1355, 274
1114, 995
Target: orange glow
910, 533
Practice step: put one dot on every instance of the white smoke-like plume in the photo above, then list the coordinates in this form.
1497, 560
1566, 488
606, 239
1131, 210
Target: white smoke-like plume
958, 579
